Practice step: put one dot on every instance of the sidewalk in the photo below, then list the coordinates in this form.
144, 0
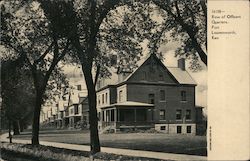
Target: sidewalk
128, 152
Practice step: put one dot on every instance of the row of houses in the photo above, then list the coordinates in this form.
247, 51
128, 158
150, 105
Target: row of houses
151, 96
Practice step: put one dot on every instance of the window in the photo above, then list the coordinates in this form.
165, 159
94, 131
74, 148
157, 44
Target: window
144, 75
178, 115
99, 116
162, 114
189, 129
98, 84
151, 98
103, 116
112, 115
76, 109
106, 98
79, 87
163, 127
162, 95
72, 111
188, 114
99, 100
178, 129
183, 96
120, 95
64, 98
102, 98
161, 77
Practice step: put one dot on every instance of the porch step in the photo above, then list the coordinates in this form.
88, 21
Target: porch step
107, 129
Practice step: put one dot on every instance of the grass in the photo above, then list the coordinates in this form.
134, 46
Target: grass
180, 144
21, 152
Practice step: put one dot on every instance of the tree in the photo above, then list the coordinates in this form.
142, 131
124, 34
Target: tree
187, 21
95, 35
17, 93
26, 33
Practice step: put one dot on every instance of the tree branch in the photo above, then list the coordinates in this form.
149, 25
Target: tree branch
97, 74
44, 54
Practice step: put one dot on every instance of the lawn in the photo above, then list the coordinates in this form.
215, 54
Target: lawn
181, 144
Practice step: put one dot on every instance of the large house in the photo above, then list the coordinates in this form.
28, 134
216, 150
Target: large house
151, 96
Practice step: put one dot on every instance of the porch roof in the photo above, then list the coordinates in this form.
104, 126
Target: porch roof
130, 104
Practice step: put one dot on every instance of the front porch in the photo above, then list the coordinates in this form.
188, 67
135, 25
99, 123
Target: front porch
126, 116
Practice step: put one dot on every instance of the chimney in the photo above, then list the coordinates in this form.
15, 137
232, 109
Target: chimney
181, 63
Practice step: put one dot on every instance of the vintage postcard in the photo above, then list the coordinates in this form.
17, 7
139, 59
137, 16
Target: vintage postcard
125, 80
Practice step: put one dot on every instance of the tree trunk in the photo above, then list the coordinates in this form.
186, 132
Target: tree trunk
10, 136
16, 128
21, 125
36, 119
93, 119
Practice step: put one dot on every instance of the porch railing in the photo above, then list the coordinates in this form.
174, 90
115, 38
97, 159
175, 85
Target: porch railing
124, 124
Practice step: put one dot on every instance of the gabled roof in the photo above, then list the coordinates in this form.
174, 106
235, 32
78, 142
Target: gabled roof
182, 76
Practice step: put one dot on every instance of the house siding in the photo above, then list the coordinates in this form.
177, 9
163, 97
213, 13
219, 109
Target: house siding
152, 70
140, 93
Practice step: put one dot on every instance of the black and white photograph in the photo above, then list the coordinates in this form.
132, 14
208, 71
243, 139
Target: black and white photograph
105, 80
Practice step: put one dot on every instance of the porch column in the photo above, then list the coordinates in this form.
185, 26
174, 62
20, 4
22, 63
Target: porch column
115, 114
118, 114
152, 111
104, 115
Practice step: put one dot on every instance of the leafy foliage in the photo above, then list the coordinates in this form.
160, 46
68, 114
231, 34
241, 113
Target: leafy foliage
184, 21
28, 35
17, 91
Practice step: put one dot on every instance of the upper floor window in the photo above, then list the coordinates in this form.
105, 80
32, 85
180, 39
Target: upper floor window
106, 97
162, 114
98, 84
162, 95
79, 87
76, 109
120, 95
161, 77
72, 111
178, 115
102, 98
151, 98
144, 75
188, 114
99, 100
183, 96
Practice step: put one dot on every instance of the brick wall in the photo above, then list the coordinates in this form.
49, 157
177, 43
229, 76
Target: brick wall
140, 93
